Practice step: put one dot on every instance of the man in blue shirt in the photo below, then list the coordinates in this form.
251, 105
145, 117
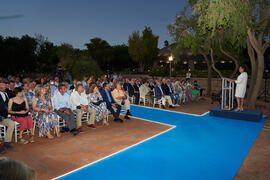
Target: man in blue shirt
107, 97
62, 106
28, 94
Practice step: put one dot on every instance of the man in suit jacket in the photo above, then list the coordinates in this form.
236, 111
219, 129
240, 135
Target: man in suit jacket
125, 85
4, 120
167, 89
159, 94
133, 90
10, 89
107, 97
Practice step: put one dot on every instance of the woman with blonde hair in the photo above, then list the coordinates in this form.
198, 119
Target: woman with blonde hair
47, 119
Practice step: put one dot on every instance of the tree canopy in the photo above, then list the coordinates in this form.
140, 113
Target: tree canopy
143, 48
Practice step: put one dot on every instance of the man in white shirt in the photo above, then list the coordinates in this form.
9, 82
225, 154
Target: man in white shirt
145, 92
188, 75
17, 82
62, 107
79, 104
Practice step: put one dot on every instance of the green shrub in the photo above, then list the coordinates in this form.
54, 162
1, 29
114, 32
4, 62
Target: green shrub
85, 66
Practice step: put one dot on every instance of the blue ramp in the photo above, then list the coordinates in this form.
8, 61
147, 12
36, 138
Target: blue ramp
200, 147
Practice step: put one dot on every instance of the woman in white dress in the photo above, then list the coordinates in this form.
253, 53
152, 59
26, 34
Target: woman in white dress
241, 86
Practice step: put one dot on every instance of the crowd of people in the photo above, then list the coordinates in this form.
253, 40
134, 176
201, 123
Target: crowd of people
44, 101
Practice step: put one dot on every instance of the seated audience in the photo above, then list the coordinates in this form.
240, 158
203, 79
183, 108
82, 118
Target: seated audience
145, 92
28, 95
178, 91
138, 83
185, 88
47, 119
96, 102
19, 109
52, 87
196, 86
32, 86
79, 105
152, 86
167, 90
4, 120
84, 83
159, 94
56, 81
62, 107
10, 90
126, 84
17, 82
133, 90
121, 99
43, 81
194, 92
107, 97
69, 77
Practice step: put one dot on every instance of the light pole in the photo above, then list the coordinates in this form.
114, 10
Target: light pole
170, 59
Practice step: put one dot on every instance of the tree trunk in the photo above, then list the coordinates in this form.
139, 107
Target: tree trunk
259, 49
209, 74
258, 82
213, 65
254, 69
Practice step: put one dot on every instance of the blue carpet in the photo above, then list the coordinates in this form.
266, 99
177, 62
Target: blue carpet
198, 148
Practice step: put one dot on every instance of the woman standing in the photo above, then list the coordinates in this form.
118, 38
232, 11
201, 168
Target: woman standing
47, 119
241, 86
18, 108
95, 101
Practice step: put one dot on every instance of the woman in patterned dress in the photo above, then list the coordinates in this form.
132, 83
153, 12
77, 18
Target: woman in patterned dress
47, 119
95, 101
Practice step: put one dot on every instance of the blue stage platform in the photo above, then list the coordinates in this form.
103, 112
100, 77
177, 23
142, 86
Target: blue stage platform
248, 115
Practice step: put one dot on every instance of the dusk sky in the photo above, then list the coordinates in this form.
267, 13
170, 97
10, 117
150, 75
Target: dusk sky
77, 21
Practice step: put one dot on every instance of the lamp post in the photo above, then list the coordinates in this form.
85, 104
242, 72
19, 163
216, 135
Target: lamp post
170, 59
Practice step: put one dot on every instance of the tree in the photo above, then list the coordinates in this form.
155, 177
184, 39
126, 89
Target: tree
121, 59
186, 34
18, 55
249, 23
47, 59
150, 44
85, 66
101, 51
136, 50
143, 49
66, 55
